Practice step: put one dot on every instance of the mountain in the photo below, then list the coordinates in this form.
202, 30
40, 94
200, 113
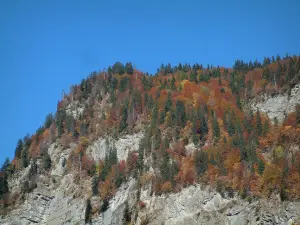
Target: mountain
187, 145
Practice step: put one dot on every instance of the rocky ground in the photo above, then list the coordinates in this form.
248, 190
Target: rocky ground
279, 105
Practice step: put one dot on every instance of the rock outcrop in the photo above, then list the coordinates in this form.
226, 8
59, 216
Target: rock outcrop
60, 198
279, 105
124, 145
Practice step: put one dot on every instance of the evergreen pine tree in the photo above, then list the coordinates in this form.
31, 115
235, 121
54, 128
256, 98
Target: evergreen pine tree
19, 148
126, 215
258, 124
266, 74
298, 114
216, 127
95, 185
201, 161
129, 68
265, 128
88, 211
123, 123
261, 167
173, 87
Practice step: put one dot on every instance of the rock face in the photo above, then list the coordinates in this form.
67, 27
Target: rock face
278, 106
195, 206
123, 145
60, 198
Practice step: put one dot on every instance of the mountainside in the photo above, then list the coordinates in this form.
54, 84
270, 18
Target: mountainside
188, 145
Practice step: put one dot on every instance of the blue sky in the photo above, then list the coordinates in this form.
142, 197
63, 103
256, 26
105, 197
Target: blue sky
45, 46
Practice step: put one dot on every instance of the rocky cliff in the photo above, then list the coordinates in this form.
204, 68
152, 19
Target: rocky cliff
278, 106
60, 198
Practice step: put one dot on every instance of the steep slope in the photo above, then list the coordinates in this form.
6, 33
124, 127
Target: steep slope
180, 147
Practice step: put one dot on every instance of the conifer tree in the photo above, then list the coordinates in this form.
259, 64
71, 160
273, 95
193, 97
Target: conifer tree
126, 215
19, 148
215, 125
129, 68
266, 74
173, 87
258, 123
298, 114
261, 167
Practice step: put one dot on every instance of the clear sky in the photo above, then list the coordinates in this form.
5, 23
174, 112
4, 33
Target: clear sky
45, 46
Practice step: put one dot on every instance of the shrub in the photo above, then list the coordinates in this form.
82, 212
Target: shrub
166, 187
142, 204
104, 205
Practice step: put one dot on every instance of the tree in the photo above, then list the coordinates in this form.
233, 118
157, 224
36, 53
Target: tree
119, 68
3, 178
123, 123
193, 76
126, 215
46, 161
3, 185
265, 128
216, 127
261, 167
19, 148
168, 104
298, 114
129, 68
201, 162
24, 158
104, 205
88, 211
258, 123
48, 121
173, 87
60, 118
180, 113
290, 72
95, 185
5, 165
195, 130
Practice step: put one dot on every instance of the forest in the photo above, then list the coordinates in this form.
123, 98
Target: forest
236, 150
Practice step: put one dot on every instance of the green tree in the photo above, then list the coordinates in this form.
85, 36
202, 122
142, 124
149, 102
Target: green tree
201, 162
180, 113
95, 185
266, 74
119, 68
215, 125
4, 172
88, 211
298, 114
162, 117
129, 68
19, 148
195, 130
203, 122
49, 120
46, 161
24, 158
261, 167
104, 205
258, 123
168, 104
173, 86
265, 128
123, 123
60, 118
126, 215
3, 185
113, 156
193, 76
